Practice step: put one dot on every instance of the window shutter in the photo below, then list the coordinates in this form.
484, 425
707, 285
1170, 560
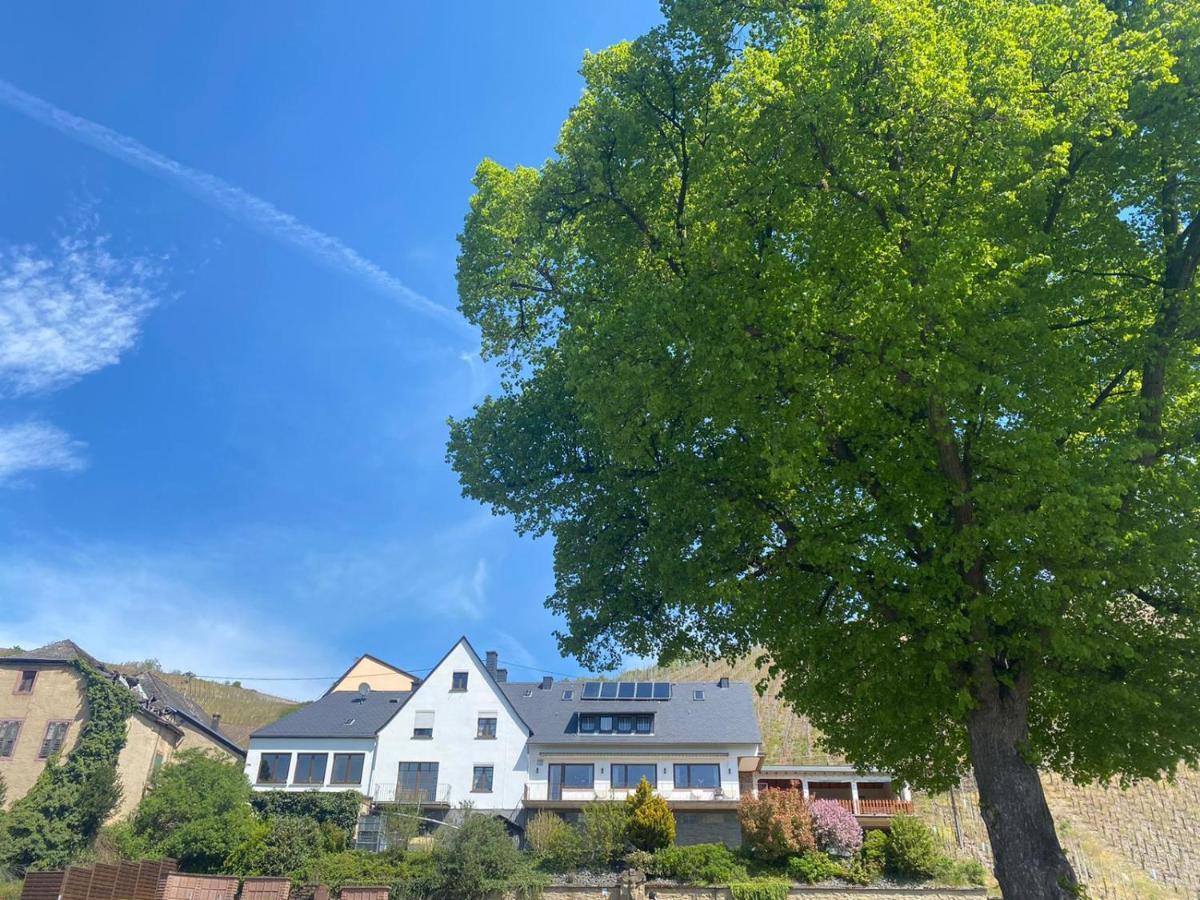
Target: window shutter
424, 719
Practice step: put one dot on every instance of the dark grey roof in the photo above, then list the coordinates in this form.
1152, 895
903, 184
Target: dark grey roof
341, 714
725, 715
58, 651
163, 699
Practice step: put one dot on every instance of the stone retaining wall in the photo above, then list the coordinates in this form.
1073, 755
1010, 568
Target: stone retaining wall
654, 891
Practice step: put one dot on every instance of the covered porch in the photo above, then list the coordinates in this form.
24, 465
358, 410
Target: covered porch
872, 797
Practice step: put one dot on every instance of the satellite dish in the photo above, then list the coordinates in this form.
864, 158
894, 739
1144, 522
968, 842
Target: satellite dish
364, 689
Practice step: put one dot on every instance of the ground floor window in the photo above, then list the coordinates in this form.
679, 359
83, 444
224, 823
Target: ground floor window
347, 768
697, 775
630, 775
273, 768
310, 768
418, 782
481, 780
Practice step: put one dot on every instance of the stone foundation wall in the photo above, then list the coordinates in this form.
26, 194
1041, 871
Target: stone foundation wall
708, 828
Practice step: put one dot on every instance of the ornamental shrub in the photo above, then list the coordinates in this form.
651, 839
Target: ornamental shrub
760, 889
835, 829
651, 823
335, 870
698, 864
813, 867
912, 848
604, 831
557, 846
959, 872
478, 859
776, 825
874, 851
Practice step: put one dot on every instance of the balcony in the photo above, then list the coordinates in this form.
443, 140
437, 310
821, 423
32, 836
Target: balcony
430, 795
875, 808
538, 793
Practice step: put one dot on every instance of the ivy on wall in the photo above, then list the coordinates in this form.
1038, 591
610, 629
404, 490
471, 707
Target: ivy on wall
52, 824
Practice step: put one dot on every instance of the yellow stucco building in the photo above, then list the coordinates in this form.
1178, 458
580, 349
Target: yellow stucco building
42, 711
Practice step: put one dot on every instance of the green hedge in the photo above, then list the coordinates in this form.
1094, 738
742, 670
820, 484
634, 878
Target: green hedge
338, 808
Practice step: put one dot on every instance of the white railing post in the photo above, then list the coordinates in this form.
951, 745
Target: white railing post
854, 796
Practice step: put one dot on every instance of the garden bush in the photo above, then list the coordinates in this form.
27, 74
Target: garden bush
478, 859
835, 829
959, 872
557, 846
760, 889
642, 860
604, 828
813, 867
279, 846
336, 870
912, 848
651, 822
698, 864
776, 825
874, 851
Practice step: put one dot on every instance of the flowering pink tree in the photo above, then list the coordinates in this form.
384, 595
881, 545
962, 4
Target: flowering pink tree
835, 828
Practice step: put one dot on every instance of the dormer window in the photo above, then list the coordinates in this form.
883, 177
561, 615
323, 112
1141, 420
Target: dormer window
458, 681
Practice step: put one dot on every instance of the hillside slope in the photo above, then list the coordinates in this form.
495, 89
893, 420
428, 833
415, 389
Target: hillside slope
1127, 845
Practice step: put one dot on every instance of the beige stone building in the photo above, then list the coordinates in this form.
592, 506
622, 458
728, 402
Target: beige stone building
42, 711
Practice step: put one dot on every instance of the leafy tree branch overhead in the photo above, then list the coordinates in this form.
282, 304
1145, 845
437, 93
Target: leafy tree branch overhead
867, 332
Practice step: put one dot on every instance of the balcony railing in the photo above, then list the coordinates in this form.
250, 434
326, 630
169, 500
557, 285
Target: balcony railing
874, 807
536, 791
398, 793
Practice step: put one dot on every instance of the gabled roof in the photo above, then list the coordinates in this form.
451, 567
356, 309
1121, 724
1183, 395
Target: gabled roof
497, 686
58, 651
725, 716
340, 714
164, 699
374, 659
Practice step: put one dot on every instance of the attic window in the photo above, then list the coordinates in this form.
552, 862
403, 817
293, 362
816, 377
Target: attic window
528, 692
568, 695
698, 694
458, 681
348, 722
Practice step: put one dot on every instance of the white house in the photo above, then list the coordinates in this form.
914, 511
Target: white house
465, 734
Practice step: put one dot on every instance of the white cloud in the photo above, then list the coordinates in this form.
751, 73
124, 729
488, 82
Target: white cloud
123, 606
232, 200
28, 446
65, 315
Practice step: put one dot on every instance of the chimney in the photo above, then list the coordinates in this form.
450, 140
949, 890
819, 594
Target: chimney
723, 682
547, 682
492, 658
216, 721
501, 675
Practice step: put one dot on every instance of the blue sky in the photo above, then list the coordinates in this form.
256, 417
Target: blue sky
227, 339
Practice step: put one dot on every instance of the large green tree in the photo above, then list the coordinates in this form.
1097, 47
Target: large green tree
866, 332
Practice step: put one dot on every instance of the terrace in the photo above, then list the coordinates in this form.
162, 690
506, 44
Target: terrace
870, 796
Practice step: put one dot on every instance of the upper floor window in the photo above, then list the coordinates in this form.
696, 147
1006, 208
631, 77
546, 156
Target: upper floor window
25, 681
310, 768
458, 681
273, 768
9, 729
347, 768
486, 727
630, 775
56, 736
423, 724
606, 723
697, 775
481, 779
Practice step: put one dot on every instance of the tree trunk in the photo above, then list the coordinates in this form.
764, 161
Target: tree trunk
1030, 863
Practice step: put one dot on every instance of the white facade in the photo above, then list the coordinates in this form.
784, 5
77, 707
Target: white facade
294, 747
455, 745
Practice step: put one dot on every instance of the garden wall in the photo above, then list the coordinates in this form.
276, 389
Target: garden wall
654, 891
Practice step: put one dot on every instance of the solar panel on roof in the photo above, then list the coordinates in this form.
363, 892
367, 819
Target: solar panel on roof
608, 690
645, 690
591, 690
662, 690
625, 690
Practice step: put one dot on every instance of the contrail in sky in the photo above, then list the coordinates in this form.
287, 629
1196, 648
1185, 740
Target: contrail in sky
236, 202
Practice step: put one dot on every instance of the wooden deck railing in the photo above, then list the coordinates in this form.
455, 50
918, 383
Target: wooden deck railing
875, 807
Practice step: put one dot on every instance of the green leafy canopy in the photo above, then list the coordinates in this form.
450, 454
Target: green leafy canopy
865, 332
